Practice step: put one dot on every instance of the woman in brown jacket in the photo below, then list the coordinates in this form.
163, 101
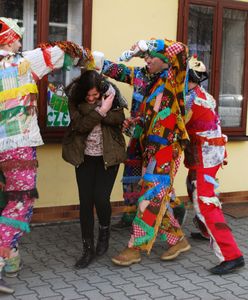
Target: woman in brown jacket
96, 112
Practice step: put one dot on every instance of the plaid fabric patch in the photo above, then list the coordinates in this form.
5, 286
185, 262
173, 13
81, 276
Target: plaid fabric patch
155, 202
173, 221
138, 231
177, 164
162, 193
174, 49
172, 239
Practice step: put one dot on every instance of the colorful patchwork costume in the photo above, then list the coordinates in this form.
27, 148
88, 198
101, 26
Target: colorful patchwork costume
203, 157
19, 131
155, 147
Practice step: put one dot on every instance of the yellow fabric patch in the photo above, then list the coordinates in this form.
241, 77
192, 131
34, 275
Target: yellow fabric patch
30, 88
23, 67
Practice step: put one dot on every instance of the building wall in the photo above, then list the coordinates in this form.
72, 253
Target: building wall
116, 26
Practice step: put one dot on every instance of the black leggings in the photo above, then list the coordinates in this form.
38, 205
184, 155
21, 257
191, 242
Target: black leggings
95, 184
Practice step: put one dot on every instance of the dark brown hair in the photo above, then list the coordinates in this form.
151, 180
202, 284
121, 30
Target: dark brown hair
78, 89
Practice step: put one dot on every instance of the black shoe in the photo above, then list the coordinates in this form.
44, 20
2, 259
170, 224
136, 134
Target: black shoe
5, 288
180, 214
228, 266
103, 240
121, 225
87, 256
198, 236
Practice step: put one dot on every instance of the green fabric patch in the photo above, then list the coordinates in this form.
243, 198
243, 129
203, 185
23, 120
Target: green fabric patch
68, 62
15, 223
159, 55
13, 128
148, 229
137, 131
163, 237
162, 115
12, 112
128, 217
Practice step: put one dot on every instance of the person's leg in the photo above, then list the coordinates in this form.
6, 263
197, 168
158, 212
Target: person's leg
130, 183
104, 183
178, 207
19, 168
170, 227
208, 210
85, 175
190, 183
172, 233
156, 188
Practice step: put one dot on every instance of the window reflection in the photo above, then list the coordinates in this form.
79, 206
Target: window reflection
200, 32
232, 71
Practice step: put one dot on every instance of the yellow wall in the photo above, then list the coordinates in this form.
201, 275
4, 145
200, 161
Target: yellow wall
117, 24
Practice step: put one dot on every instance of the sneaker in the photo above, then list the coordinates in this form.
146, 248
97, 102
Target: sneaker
180, 214
127, 257
228, 266
181, 246
121, 225
5, 288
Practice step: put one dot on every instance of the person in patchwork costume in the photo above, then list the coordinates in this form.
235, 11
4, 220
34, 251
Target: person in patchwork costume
157, 140
142, 80
203, 157
19, 131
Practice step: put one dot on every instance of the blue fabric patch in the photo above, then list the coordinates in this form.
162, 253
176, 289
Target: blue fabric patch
138, 97
131, 179
158, 90
211, 180
164, 182
157, 139
151, 166
9, 72
160, 45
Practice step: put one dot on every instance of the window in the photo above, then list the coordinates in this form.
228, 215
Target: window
65, 23
217, 31
52, 20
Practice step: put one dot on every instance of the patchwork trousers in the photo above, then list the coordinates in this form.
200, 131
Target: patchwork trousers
209, 215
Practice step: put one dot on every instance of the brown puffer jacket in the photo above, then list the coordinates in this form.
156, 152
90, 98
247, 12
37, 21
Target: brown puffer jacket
86, 118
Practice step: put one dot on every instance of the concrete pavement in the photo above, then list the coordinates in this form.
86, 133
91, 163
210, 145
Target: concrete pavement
49, 253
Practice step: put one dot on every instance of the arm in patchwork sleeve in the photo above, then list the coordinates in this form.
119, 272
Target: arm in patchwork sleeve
56, 55
119, 72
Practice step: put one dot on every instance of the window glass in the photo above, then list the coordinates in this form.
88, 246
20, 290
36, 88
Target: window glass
65, 23
25, 12
200, 32
232, 67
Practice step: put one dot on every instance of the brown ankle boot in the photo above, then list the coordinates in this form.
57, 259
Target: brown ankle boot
181, 246
127, 257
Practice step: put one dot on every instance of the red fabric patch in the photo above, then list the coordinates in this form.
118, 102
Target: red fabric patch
47, 58
169, 122
164, 155
148, 217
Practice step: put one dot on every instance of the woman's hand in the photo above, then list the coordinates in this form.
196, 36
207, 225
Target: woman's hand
107, 103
